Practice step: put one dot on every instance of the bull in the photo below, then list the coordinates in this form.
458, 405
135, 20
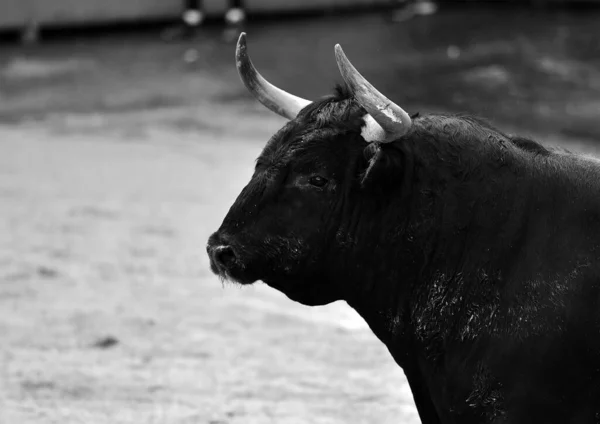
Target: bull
473, 255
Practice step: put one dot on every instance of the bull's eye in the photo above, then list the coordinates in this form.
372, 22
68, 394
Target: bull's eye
317, 181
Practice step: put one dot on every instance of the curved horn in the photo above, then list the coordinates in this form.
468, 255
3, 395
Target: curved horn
275, 99
392, 119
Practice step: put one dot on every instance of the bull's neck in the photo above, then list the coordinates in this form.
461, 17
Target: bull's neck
455, 213
382, 299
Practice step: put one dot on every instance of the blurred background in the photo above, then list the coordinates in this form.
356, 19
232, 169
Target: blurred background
125, 135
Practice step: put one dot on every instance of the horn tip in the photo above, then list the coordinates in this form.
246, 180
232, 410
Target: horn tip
340, 56
242, 39
240, 50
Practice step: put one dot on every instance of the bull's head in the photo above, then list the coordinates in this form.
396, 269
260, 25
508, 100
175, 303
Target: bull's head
295, 223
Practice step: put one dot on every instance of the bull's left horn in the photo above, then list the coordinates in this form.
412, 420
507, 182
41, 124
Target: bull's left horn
394, 121
275, 99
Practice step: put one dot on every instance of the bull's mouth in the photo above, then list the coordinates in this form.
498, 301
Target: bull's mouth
228, 261
234, 274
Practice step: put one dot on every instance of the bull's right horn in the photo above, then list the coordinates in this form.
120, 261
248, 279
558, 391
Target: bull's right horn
275, 99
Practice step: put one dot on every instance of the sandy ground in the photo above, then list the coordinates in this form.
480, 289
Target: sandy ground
118, 159
109, 312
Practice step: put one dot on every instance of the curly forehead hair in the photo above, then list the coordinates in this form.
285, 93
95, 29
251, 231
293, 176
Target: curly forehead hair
339, 110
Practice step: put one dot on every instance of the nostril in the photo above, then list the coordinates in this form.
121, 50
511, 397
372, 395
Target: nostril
224, 255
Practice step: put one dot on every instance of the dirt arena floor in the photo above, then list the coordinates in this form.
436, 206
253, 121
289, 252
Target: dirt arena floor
120, 154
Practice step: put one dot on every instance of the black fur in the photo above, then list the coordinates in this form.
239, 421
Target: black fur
473, 255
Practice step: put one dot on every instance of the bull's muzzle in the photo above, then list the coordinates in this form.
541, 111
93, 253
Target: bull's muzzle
222, 255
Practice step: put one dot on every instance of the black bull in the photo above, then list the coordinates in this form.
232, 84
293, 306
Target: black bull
473, 255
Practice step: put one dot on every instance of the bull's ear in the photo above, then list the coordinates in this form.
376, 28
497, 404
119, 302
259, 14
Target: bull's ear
382, 166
